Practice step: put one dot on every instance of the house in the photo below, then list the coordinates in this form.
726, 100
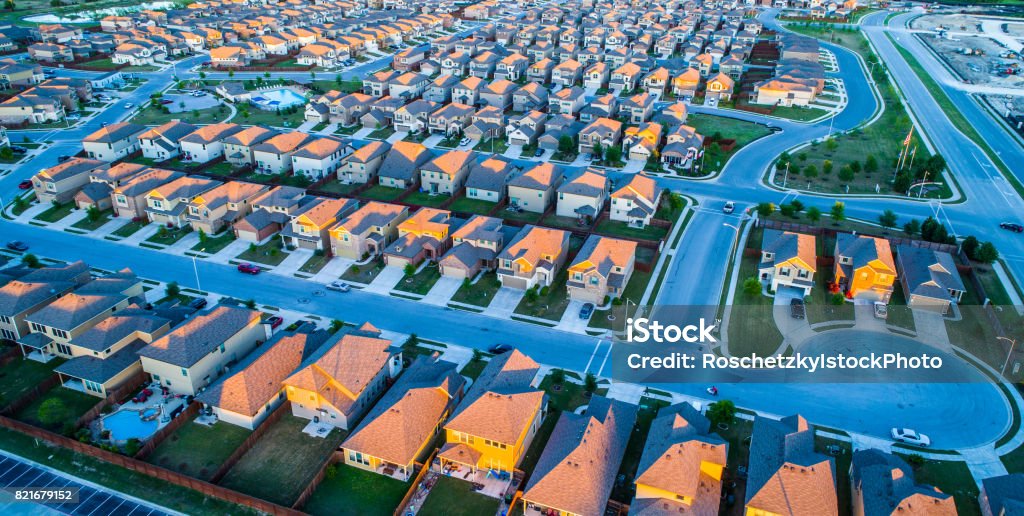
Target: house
422, 236
720, 87
566, 101
683, 146
488, 122
440, 90
498, 94
532, 96
929, 278
399, 429
163, 142
407, 86
129, 198
1001, 495
788, 259
475, 247
195, 353
400, 168
270, 212
113, 142
238, 146
533, 190
638, 108
167, 203
451, 119
320, 157
656, 81
533, 257
567, 73
446, 173
105, 357
62, 181
309, 225
641, 142
636, 202
254, 388
625, 78
207, 143
274, 155
557, 129
682, 466
367, 231
596, 76
468, 91
362, 165
864, 268
102, 181
414, 116
34, 291
584, 451
221, 206
786, 475
685, 84
883, 484
584, 196
601, 269
487, 179
600, 134
476, 437
338, 383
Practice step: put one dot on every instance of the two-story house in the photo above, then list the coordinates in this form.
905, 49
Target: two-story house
367, 231
533, 257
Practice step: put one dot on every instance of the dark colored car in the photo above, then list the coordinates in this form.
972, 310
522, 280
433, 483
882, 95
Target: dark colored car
18, 149
586, 310
796, 308
17, 245
1012, 226
63, 158
498, 349
25, 185
166, 101
249, 268
198, 303
538, 153
274, 321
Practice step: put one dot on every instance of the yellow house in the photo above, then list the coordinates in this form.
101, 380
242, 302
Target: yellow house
681, 466
424, 235
495, 424
864, 267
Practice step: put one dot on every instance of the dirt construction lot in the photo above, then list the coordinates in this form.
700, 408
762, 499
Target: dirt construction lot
987, 39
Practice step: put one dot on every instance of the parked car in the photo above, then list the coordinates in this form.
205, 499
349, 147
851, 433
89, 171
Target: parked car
498, 349
586, 310
128, 105
274, 321
465, 141
249, 268
25, 185
18, 149
881, 311
538, 153
909, 436
197, 304
17, 245
729, 207
63, 158
339, 286
166, 101
1012, 226
796, 308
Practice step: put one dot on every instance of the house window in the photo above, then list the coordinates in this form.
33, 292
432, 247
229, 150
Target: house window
63, 349
158, 205
184, 372
222, 349
594, 280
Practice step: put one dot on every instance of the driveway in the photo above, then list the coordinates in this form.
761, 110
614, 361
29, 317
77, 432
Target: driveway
385, 281
794, 330
442, 291
505, 302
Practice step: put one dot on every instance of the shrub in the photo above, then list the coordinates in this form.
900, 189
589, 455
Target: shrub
558, 376
590, 383
721, 412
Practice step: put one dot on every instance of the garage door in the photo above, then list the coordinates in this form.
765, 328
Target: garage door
513, 282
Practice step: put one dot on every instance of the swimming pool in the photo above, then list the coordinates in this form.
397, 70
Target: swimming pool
276, 98
126, 424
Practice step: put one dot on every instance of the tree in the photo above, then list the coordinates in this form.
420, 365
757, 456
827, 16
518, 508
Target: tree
203, 237
558, 376
887, 219
52, 412
811, 171
855, 166
598, 151
202, 75
902, 182
172, 289
337, 325
93, 213
912, 228
970, 247
566, 144
231, 73
765, 209
9, 5
722, 412
987, 253
613, 154
845, 173
870, 164
797, 205
837, 299
250, 304
409, 269
813, 214
826, 167
751, 286
831, 144
590, 383
30, 260
6, 153
838, 212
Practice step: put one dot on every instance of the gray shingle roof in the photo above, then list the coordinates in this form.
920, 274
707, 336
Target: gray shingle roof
195, 339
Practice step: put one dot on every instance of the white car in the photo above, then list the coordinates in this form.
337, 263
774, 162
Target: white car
339, 286
128, 105
464, 141
729, 207
906, 435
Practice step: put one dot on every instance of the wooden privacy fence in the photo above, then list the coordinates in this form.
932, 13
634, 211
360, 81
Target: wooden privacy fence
10, 355
250, 441
161, 434
32, 395
423, 469
331, 460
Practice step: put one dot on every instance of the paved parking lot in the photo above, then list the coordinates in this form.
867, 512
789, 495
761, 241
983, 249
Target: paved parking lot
206, 101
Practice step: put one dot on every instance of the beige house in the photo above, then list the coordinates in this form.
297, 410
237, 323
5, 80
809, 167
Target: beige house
533, 257
534, 189
447, 173
636, 202
270, 213
238, 146
368, 230
362, 165
584, 196
62, 181
422, 236
605, 132
475, 247
320, 158
194, 354
601, 269
102, 181
113, 142
274, 155
207, 143
223, 205
129, 197
30, 293
168, 203
309, 225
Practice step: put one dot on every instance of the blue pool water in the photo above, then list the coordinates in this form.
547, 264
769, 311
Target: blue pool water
126, 424
278, 98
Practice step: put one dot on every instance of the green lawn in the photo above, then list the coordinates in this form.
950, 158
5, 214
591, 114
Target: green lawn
253, 116
267, 253
550, 306
73, 405
314, 264
381, 134
473, 368
634, 292
356, 492
426, 199
467, 205
729, 128
951, 477
340, 188
569, 223
451, 496
283, 462
20, 376
130, 228
363, 273
198, 450
899, 314
215, 243
752, 327
382, 193
93, 225
282, 178
800, 114
492, 146
615, 228
154, 115
421, 282
479, 294
223, 168
56, 212
843, 459
169, 236
105, 63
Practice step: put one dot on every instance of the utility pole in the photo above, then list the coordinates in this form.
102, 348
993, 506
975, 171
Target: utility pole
786, 177
1013, 343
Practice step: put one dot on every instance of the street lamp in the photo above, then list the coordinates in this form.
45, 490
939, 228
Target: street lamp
1013, 343
735, 241
195, 269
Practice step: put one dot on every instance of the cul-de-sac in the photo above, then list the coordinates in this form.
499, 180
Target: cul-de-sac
387, 257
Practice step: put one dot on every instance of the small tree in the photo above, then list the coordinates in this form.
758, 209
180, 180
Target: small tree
93, 213
838, 212
837, 299
173, 289
30, 260
202, 236
566, 144
253, 249
845, 173
831, 144
813, 214
751, 287
765, 209
6, 153
826, 167
870, 164
250, 303
887, 219
409, 269
337, 325
811, 171
722, 412
855, 166
613, 154
987, 253
916, 460
590, 383
797, 205
970, 247
598, 151
52, 412
912, 228
558, 376
787, 210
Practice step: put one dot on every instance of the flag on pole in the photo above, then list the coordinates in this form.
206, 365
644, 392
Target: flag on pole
906, 141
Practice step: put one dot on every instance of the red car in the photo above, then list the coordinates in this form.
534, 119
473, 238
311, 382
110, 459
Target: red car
274, 321
249, 268
166, 101
25, 185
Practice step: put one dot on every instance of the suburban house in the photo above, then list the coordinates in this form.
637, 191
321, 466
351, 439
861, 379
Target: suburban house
102, 181
636, 202
719, 87
682, 466
641, 142
254, 388
475, 247
167, 203
321, 157
222, 205
274, 155
534, 189
129, 198
533, 257
238, 147
207, 143
475, 438
683, 145
62, 181
399, 429
583, 197
786, 475
929, 278
368, 230
450, 119
487, 179
601, 269
309, 225
864, 268
601, 133
446, 173
883, 484
525, 129
414, 116
400, 168
422, 236
32, 292
270, 212
113, 142
586, 446
1001, 495
788, 259
164, 142
362, 165
195, 353
338, 383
